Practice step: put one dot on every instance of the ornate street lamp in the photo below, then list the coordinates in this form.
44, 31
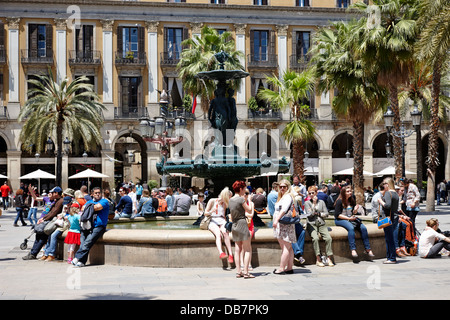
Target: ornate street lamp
416, 117
66, 143
160, 130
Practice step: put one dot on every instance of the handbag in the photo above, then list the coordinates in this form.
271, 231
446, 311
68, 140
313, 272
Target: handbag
290, 217
50, 227
383, 223
205, 222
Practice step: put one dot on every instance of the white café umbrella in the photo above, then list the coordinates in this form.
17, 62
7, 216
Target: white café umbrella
38, 174
389, 171
3, 177
349, 172
88, 173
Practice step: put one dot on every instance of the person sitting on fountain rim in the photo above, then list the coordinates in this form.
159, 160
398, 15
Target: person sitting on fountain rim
124, 208
182, 203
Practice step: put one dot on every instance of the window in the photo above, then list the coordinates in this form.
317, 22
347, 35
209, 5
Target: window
130, 40
84, 39
173, 43
177, 1
260, 45
39, 40
218, 1
302, 44
302, 3
343, 3
130, 95
260, 2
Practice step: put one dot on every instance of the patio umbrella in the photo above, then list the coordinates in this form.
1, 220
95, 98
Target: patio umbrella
38, 174
88, 173
389, 171
3, 177
349, 172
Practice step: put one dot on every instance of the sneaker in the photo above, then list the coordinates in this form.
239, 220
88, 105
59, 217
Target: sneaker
79, 264
230, 259
74, 261
43, 258
223, 255
29, 256
69, 261
320, 264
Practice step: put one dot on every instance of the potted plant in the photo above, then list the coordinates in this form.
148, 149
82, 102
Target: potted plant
130, 56
252, 105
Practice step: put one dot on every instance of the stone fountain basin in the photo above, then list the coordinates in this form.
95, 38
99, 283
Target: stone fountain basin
196, 248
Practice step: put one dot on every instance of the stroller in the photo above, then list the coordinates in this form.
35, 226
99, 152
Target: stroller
23, 245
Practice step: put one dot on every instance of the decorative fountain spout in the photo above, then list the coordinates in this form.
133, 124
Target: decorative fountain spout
224, 165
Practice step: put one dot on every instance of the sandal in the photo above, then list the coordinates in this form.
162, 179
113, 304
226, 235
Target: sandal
239, 275
248, 276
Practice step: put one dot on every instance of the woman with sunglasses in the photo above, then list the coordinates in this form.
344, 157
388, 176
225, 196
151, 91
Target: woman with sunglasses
344, 216
285, 233
317, 211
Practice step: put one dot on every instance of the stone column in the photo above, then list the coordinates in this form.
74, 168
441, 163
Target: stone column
325, 164
61, 48
240, 29
368, 166
282, 48
108, 56
13, 63
152, 37
14, 172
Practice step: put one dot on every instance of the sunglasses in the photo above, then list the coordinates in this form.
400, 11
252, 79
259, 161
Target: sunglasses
311, 193
283, 187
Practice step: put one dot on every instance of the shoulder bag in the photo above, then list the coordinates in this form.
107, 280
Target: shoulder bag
290, 217
385, 222
207, 219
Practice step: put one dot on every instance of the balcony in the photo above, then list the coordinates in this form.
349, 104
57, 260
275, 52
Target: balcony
40, 57
298, 63
84, 58
262, 60
2, 57
265, 114
131, 58
130, 112
170, 58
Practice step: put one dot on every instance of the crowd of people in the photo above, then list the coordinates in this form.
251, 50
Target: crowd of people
237, 211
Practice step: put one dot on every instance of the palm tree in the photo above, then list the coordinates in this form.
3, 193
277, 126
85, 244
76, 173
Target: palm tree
289, 91
199, 56
337, 66
69, 109
387, 47
433, 47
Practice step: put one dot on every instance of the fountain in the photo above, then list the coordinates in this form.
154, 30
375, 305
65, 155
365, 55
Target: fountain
224, 165
163, 247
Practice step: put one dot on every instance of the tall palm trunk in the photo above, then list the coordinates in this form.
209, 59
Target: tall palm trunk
298, 150
397, 142
358, 161
59, 133
432, 161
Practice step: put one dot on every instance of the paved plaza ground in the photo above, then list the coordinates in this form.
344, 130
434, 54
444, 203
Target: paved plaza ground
412, 278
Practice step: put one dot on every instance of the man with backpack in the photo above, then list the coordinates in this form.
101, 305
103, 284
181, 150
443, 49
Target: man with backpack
90, 236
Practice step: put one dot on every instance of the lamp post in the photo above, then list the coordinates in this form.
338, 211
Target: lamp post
416, 117
159, 131
402, 134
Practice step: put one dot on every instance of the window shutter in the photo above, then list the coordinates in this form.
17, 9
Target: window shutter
272, 43
165, 41
120, 39
49, 40
141, 39
2, 35
32, 40
88, 39
252, 43
294, 46
140, 96
185, 36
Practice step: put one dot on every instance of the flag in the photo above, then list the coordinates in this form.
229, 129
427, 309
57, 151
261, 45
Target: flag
194, 103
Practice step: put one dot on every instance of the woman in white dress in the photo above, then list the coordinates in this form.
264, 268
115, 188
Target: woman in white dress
285, 233
216, 208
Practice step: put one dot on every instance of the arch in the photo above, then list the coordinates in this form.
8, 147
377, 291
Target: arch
342, 143
337, 133
141, 143
378, 144
260, 142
